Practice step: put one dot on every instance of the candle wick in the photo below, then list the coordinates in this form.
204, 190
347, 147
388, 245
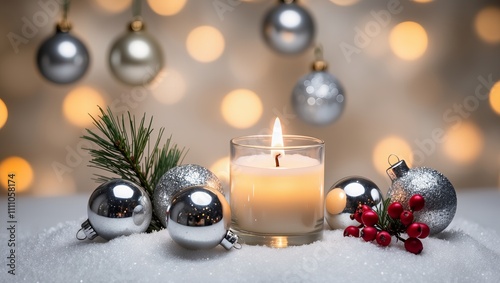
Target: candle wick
276, 159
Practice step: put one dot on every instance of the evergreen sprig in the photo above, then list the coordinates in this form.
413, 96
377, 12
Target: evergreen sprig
124, 148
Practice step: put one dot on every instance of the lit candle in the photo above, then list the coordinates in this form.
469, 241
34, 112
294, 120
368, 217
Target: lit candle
277, 189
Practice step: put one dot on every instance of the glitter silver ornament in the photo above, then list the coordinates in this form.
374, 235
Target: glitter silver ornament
199, 218
136, 58
288, 28
117, 208
178, 178
438, 192
343, 198
62, 58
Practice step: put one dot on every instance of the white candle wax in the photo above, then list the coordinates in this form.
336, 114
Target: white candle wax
277, 200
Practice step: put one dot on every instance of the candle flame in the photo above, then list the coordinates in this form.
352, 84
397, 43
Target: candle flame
277, 139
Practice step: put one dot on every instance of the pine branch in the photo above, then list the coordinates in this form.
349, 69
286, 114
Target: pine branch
120, 149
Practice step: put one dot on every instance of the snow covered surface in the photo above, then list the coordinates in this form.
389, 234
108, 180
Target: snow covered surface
465, 252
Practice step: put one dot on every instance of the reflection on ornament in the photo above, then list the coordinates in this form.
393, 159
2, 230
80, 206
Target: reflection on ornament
288, 28
117, 208
199, 218
343, 198
318, 98
438, 192
62, 58
136, 57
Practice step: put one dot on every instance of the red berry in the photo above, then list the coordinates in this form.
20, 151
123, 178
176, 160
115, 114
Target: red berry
369, 233
366, 208
425, 230
383, 238
416, 202
414, 230
351, 231
369, 218
406, 217
395, 209
414, 245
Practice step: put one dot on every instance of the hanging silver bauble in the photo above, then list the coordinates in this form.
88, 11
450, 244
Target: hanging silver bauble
117, 208
318, 98
438, 192
199, 218
178, 178
288, 28
343, 198
136, 58
62, 58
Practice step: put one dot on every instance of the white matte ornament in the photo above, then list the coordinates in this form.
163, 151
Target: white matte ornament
136, 58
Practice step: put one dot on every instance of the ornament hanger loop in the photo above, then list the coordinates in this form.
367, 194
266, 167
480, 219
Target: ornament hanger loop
237, 246
389, 159
318, 52
84, 236
136, 10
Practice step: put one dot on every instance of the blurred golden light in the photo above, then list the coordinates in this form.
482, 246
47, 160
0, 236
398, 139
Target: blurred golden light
166, 8
495, 97
172, 88
4, 113
344, 2
408, 40
487, 24
81, 102
391, 145
422, 1
205, 44
221, 169
113, 6
22, 174
49, 184
463, 143
241, 108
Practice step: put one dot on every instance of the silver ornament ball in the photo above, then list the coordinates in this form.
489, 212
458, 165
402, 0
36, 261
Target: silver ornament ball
288, 28
117, 208
438, 192
136, 58
199, 218
318, 98
178, 178
62, 58
343, 198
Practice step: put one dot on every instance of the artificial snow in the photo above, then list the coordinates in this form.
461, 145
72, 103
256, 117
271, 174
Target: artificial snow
464, 252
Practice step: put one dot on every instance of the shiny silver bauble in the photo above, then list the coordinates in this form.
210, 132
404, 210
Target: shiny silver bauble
288, 28
117, 208
343, 198
136, 58
62, 58
199, 218
438, 192
178, 178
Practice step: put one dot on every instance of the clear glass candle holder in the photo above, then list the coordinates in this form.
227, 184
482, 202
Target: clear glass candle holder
277, 193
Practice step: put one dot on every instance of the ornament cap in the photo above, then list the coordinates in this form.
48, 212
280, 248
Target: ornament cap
63, 26
230, 240
137, 25
88, 230
397, 170
319, 66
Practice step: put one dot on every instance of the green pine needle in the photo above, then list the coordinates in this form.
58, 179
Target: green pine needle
123, 148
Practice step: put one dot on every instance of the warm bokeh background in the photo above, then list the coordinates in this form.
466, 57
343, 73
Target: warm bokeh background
405, 84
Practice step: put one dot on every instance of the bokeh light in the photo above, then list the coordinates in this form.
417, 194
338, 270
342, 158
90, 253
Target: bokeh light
463, 143
50, 184
23, 173
113, 6
4, 113
241, 108
494, 97
344, 2
205, 44
391, 145
167, 8
221, 169
487, 24
81, 102
408, 40
422, 1
171, 89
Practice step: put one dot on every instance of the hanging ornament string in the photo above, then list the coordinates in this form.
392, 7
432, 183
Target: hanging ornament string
63, 58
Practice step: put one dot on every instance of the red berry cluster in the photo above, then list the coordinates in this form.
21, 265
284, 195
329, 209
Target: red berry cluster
390, 220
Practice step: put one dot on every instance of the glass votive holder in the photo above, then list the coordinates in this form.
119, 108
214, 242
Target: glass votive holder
277, 193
